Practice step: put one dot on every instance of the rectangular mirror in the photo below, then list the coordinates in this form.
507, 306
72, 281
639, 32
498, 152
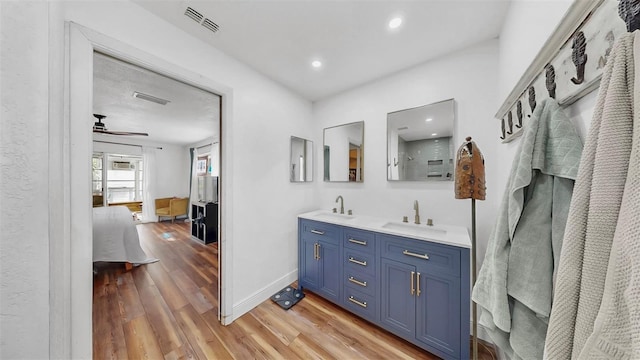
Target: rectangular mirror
301, 160
420, 143
343, 152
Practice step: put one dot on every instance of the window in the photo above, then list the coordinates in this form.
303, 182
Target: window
119, 177
124, 179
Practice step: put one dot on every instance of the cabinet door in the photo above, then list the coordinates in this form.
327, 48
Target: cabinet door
308, 264
397, 306
438, 313
330, 264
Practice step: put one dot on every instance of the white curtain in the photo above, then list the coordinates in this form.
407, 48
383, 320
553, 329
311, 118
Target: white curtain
149, 183
194, 179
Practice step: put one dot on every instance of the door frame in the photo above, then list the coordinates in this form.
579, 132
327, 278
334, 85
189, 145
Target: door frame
71, 281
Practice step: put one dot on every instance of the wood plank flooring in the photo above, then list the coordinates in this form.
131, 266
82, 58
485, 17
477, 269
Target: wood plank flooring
168, 310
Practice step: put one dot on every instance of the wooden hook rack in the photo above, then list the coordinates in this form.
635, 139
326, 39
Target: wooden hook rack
569, 65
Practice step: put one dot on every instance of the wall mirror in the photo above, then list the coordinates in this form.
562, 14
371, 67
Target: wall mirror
420, 143
343, 152
301, 160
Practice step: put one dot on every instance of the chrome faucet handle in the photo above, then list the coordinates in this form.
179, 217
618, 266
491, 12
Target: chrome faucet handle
405, 219
349, 212
429, 222
335, 210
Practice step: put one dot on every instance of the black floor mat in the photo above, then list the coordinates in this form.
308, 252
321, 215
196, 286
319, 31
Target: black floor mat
287, 297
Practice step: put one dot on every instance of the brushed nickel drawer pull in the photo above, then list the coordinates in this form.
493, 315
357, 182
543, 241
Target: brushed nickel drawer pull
361, 283
318, 244
318, 232
363, 304
363, 263
418, 287
315, 251
359, 242
421, 256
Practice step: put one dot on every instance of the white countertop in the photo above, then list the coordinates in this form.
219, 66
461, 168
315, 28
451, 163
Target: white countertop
443, 234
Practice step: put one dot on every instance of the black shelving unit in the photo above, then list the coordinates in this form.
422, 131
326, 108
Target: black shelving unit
204, 221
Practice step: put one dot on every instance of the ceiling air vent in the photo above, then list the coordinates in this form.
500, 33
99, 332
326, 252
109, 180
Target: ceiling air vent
194, 15
210, 25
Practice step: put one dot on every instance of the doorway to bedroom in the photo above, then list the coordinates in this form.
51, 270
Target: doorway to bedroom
156, 153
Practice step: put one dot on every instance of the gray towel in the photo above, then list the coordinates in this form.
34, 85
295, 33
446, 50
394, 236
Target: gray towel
594, 218
515, 284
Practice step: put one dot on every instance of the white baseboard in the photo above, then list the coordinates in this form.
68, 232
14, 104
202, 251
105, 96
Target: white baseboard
245, 305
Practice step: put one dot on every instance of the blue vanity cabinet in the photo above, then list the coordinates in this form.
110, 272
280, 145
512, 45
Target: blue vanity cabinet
423, 299
319, 260
416, 289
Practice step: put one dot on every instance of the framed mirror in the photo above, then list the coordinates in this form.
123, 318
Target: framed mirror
420, 143
343, 152
301, 160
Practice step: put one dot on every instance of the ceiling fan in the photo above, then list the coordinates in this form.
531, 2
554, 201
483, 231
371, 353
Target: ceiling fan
99, 127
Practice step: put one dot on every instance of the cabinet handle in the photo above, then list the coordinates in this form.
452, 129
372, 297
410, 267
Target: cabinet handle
317, 232
418, 281
318, 244
361, 283
421, 256
357, 242
413, 290
363, 263
315, 251
363, 304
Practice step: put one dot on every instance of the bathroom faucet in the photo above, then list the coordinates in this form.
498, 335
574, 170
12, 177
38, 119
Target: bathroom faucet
341, 203
417, 209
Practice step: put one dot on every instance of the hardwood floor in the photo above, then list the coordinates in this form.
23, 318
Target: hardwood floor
168, 310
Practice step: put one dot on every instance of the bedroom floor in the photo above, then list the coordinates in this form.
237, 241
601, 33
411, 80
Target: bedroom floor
168, 310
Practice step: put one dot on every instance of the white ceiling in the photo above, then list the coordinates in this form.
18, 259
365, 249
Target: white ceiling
280, 39
351, 38
191, 115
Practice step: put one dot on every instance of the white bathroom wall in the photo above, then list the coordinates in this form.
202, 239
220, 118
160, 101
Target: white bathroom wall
24, 212
468, 76
262, 214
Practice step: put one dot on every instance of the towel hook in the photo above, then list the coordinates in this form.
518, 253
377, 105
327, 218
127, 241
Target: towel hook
510, 122
629, 11
579, 57
532, 98
503, 134
550, 80
519, 114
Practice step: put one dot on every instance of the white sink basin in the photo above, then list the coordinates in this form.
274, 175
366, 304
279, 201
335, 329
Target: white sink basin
334, 216
414, 229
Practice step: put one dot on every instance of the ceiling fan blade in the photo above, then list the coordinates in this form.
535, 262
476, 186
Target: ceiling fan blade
125, 133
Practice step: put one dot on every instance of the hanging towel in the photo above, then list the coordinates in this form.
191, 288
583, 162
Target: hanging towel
594, 215
515, 283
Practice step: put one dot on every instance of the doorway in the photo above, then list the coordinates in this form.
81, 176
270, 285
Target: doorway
75, 279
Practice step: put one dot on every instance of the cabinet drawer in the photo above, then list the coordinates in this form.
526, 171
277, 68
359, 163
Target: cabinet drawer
359, 263
360, 303
426, 255
359, 240
319, 230
360, 282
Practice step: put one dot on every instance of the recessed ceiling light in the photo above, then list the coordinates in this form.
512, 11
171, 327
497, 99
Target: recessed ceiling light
395, 23
316, 63
428, 119
434, 134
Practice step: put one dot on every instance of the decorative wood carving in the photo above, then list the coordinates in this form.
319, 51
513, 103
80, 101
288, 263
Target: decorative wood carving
470, 178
